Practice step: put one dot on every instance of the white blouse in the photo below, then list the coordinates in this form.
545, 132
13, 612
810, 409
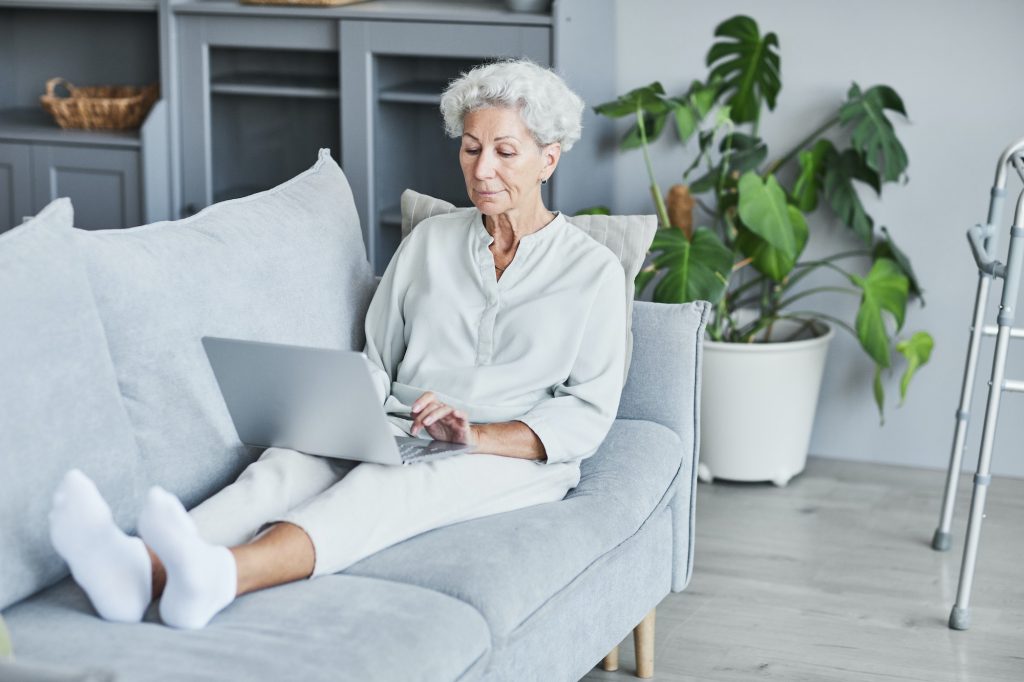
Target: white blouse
544, 345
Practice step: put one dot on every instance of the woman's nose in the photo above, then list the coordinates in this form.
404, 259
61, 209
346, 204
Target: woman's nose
484, 166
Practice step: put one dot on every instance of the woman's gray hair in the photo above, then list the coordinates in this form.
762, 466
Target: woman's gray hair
551, 111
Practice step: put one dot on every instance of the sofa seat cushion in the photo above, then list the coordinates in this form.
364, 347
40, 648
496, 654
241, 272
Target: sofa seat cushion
333, 628
508, 565
59, 401
287, 265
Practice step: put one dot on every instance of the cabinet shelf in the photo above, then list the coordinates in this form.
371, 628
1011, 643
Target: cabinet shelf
30, 124
272, 85
414, 92
99, 5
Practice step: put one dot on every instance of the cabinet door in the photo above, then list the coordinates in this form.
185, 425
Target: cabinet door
15, 184
392, 76
256, 102
102, 183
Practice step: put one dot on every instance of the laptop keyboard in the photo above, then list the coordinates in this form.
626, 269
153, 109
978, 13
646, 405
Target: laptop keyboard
412, 451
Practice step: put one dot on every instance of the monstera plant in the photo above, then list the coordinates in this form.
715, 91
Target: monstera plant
752, 210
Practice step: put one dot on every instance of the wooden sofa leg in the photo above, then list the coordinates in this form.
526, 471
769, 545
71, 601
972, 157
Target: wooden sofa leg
611, 661
643, 642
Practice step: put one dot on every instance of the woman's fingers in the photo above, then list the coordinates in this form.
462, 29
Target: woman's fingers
438, 414
423, 401
423, 413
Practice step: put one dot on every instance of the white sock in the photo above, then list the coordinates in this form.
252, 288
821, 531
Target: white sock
201, 578
113, 568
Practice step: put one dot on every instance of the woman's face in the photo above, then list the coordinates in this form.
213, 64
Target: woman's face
502, 163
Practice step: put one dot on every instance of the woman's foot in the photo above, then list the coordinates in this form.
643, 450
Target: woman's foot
113, 568
201, 578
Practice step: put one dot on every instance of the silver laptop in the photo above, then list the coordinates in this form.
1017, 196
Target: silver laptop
314, 400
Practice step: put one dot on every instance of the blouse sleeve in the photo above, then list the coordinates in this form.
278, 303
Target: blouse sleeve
385, 323
575, 420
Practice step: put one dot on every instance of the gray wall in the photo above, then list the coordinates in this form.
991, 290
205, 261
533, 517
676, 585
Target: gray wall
956, 64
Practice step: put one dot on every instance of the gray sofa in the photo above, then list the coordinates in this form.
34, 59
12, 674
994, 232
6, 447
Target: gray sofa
101, 368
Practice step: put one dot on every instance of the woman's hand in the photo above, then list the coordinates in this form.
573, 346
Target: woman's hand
443, 422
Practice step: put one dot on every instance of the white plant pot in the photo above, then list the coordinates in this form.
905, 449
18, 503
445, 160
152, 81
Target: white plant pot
757, 406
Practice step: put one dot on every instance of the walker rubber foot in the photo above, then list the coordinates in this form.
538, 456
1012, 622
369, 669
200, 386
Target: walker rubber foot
940, 541
959, 619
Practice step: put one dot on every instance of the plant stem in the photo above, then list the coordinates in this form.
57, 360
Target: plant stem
659, 198
817, 290
818, 132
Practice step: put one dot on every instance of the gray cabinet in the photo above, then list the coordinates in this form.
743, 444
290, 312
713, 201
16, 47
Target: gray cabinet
392, 133
102, 183
261, 89
15, 184
260, 97
114, 179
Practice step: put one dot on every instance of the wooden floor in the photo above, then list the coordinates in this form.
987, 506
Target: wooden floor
833, 578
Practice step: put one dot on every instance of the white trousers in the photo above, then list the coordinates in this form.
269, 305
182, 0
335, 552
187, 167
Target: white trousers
351, 510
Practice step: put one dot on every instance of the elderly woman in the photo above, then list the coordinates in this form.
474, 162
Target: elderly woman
502, 328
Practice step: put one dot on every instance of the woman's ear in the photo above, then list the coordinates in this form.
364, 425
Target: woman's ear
551, 154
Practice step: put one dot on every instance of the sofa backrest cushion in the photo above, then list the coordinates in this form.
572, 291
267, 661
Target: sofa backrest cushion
287, 265
59, 401
627, 236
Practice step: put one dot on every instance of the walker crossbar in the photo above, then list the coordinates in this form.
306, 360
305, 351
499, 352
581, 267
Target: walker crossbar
983, 240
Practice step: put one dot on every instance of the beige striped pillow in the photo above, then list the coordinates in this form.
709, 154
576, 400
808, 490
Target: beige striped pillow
628, 237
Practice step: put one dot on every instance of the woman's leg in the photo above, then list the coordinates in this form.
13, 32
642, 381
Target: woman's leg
376, 506
277, 482
203, 578
121, 575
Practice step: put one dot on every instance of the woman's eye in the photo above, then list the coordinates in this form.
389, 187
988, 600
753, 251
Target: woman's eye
506, 155
471, 151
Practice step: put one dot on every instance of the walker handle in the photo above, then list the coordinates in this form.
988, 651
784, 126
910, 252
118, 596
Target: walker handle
976, 237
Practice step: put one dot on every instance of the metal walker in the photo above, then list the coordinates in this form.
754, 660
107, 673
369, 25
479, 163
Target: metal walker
984, 242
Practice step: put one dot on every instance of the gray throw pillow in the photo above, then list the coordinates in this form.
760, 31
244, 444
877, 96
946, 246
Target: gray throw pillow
287, 265
60, 406
628, 237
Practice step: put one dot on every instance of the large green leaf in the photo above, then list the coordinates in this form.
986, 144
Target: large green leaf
653, 125
742, 152
643, 278
691, 108
886, 248
649, 102
747, 66
766, 258
873, 135
696, 269
884, 290
917, 350
763, 209
739, 153
812, 175
647, 98
840, 172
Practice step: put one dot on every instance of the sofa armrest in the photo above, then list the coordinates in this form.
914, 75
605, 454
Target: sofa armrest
663, 386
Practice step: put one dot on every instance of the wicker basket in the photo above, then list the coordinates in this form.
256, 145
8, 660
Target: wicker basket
114, 107
307, 3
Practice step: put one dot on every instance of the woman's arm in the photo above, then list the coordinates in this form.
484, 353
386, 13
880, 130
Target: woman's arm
444, 422
511, 439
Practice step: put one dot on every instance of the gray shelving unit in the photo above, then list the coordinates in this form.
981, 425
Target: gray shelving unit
250, 93
262, 87
115, 179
